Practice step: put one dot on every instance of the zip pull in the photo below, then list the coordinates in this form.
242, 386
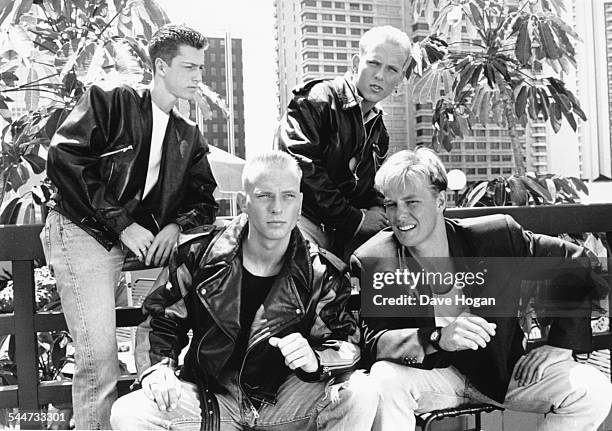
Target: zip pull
122, 150
254, 411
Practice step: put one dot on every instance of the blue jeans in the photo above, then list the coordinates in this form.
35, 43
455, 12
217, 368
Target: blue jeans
572, 396
300, 406
87, 276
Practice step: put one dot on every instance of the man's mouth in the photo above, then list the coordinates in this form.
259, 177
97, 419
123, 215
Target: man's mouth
406, 227
376, 88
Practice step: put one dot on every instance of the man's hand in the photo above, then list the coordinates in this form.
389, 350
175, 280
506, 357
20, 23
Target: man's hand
163, 387
374, 220
138, 239
468, 331
297, 352
164, 241
530, 367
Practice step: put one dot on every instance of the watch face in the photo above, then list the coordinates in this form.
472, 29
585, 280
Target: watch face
435, 335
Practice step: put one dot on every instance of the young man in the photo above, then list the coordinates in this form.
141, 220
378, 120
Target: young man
335, 130
131, 173
269, 328
460, 349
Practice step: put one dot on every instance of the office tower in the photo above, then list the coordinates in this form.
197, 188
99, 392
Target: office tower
593, 22
317, 39
215, 130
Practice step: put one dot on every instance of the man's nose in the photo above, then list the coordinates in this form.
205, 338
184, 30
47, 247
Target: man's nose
276, 207
379, 74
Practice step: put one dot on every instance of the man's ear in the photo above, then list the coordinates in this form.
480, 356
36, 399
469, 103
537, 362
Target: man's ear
441, 200
160, 66
241, 199
355, 63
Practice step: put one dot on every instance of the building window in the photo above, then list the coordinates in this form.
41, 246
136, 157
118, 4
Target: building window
341, 18
328, 42
310, 29
470, 171
455, 158
311, 68
354, 44
481, 158
355, 18
326, 4
339, 5
482, 171
328, 55
326, 17
469, 158
328, 30
327, 68
342, 69
506, 158
423, 119
311, 42
355, 31
444, 158
367, 7
354, 6
507, 171
468, 145
479, 133
481, 145
495, 171
340, 30
495, 158
368, 19
310, 15
506, 146
494, 133
311, 55
494, 145
341, 43
310, 3
341, 56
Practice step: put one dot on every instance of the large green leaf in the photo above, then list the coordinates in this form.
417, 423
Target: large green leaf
32, 96
536, 189
36, 162
476, 194
518, 192
548, 40
522, 48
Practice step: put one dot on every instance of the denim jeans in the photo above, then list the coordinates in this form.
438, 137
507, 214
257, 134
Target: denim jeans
572, 396
301, 406
87, 276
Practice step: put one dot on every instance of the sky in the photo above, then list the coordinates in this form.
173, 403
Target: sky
253, 22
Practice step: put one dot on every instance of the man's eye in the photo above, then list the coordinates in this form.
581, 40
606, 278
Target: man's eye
389, 205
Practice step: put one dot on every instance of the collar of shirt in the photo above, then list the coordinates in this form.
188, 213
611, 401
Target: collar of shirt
353, 98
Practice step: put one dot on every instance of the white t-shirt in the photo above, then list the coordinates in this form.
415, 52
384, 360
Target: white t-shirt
160, 123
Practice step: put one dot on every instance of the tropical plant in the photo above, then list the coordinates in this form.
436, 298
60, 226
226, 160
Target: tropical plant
528, 189
494, 72
50, 52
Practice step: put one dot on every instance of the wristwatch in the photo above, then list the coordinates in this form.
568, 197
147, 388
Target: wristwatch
434, 338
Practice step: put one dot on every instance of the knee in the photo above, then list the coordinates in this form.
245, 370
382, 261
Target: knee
125, 410
360, 391
385, 374
593, 389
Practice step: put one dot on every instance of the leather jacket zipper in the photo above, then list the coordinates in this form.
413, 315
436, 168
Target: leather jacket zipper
365, 145
265, 337
120, 150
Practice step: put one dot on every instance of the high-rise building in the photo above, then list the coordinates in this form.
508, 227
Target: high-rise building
215, 130
593, 22
317, 39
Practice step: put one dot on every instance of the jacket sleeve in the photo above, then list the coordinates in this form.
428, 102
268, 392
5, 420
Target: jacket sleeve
72, 162
302, 133
392, 339
163, 334
335, 333
199, 206
572, 289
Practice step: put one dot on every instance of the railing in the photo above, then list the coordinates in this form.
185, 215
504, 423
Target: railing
21, 245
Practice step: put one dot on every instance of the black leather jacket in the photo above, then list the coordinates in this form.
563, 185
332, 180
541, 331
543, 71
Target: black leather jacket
308, 296
323, 129
93, 156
